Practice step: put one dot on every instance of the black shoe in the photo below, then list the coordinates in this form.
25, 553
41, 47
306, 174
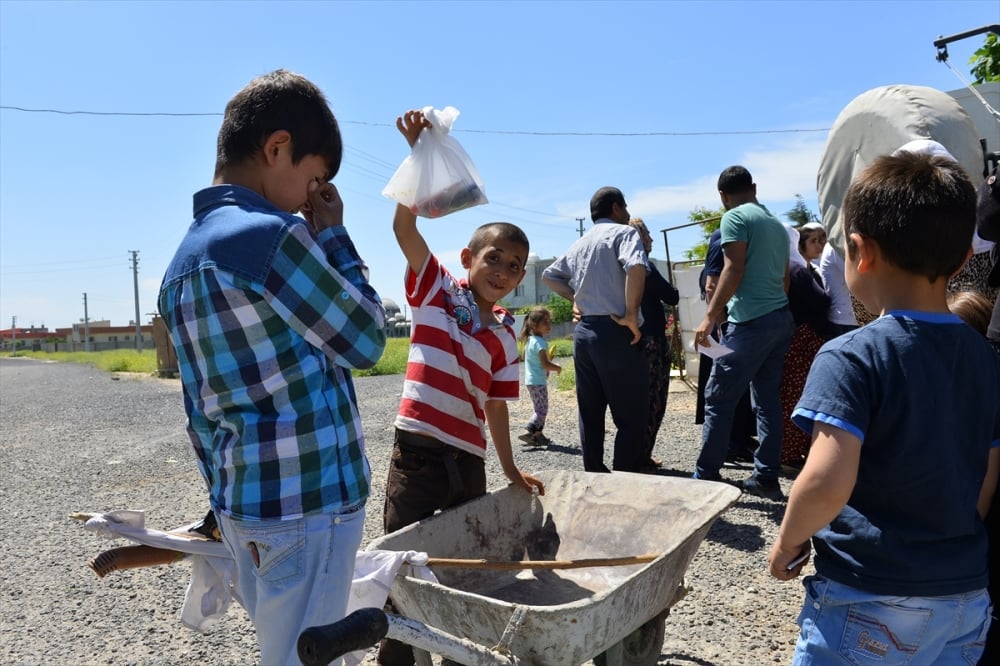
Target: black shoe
766, 489
542, 440
742, 456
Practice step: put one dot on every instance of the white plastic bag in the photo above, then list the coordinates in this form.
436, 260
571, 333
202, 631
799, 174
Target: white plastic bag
438, 176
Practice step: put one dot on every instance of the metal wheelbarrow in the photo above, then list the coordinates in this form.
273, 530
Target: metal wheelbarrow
634, 535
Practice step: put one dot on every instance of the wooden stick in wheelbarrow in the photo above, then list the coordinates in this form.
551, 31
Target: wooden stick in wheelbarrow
542, 564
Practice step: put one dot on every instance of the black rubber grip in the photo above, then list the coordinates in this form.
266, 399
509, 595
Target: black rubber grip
318, 646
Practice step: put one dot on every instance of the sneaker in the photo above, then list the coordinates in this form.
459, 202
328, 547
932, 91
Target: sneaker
766, 489
542, 440
528, 439
707, 477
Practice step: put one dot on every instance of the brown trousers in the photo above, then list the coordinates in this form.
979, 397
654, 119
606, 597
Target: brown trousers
425, 475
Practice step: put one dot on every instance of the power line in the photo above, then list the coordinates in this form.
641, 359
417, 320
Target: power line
375, 159
528, 210
696, 133
63, 112
468, 131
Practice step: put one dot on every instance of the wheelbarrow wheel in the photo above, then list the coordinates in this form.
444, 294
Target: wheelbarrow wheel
640, 648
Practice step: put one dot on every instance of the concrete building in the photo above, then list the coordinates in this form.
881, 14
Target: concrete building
104, 336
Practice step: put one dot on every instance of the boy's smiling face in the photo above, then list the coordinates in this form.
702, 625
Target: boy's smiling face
495, 270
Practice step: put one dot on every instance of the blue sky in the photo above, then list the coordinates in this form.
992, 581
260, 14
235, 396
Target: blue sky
541, 86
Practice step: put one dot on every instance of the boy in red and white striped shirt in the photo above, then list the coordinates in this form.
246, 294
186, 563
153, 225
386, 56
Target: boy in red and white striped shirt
462, 369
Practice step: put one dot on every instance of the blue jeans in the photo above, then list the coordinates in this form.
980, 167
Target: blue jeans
293, 574
757, 361
610, 372
845, 626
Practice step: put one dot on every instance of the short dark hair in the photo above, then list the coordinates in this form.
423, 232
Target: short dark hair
603, 200
920, 209
805, 234
482, 236
280, 100
735, 180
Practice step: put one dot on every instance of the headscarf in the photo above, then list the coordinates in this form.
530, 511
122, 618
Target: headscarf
794, 256
933, 148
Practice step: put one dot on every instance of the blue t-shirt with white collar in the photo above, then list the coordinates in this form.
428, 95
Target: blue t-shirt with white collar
922, 392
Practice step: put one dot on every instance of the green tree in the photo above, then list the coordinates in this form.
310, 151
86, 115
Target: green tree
561, 309
986, 61
709, 219
800, 213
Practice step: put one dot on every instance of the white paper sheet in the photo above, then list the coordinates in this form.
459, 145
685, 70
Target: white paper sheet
714, 351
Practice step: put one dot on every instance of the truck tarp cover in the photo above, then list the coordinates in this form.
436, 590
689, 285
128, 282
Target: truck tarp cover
879, 121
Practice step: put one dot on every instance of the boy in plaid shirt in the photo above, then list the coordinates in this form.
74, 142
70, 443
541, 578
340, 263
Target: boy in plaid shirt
268, 313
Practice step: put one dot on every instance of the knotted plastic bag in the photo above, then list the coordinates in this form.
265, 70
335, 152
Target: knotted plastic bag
438, 177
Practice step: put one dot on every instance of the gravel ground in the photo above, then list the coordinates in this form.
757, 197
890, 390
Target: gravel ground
77, 439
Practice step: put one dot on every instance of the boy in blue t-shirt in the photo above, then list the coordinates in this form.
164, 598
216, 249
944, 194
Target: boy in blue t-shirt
904, 414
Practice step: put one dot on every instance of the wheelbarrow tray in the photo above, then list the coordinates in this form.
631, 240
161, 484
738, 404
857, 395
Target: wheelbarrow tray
566, 616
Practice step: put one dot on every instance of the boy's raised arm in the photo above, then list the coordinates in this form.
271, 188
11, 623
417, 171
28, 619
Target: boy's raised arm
404, 224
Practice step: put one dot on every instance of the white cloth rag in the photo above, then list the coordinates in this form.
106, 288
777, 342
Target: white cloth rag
213, 583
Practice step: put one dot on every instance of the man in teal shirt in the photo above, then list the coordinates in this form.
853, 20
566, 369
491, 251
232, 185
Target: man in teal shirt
754, 285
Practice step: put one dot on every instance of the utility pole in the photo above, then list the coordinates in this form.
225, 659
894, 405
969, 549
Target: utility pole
13, 333
86, 325
580, 220
135, 283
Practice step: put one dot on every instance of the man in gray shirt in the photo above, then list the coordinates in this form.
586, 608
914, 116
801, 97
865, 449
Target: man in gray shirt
603, 274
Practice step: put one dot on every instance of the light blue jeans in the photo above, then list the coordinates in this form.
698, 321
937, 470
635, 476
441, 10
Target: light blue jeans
757, 361
845, 626
293, 574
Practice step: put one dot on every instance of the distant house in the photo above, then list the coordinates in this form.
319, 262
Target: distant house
33, 338
104, 336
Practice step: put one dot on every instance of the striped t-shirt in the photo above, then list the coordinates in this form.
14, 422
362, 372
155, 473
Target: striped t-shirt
455, 365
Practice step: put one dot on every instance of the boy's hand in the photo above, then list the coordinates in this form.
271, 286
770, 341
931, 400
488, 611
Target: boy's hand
528, 482
326, 208
781, 557
410, 124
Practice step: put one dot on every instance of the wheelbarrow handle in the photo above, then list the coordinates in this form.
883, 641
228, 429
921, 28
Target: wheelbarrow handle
318, 646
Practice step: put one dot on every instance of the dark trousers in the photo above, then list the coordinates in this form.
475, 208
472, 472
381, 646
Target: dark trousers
425, 475
744, 421
610, 372
658, 353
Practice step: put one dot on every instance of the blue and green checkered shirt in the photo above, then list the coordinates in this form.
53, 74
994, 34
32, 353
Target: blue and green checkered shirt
268, 319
